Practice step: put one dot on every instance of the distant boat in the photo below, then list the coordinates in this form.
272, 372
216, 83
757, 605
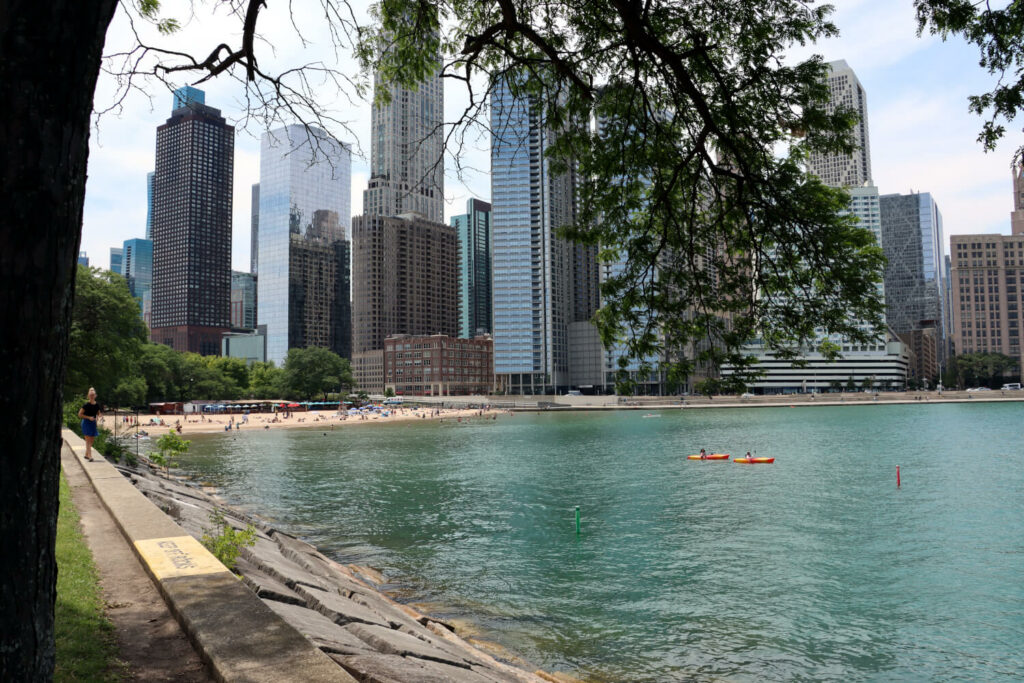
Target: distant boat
651, 415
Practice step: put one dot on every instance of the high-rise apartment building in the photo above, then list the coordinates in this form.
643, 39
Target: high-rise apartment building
192, 193
915, 275
404, 279
254, 227
987, 286
407, 151
474, 232
138, 268
117, 260
846, 170
541, 284
303, 250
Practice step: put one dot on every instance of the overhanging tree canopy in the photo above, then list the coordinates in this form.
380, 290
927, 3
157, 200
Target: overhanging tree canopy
704, 71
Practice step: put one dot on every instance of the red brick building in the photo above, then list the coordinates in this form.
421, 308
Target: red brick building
438, 365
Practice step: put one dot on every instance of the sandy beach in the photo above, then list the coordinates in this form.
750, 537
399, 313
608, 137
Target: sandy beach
156, 425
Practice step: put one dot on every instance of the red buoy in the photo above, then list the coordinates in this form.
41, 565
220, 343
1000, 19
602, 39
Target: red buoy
897, 476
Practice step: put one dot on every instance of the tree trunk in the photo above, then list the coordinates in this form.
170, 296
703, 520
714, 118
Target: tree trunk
49, 62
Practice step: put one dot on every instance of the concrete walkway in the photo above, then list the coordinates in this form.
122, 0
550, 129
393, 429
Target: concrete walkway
235, 633
149, 640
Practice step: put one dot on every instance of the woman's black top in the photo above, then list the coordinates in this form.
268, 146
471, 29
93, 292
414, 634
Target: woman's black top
91, 409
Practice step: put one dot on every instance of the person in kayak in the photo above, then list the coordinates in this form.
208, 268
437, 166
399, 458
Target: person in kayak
703, 454
747, 456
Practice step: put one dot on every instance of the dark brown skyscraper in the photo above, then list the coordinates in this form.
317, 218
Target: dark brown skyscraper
192, 227
404, 279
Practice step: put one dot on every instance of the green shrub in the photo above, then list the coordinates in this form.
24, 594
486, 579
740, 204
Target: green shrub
168, 447
226, 542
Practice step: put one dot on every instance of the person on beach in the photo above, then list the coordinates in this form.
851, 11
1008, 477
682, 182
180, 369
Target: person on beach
90, 415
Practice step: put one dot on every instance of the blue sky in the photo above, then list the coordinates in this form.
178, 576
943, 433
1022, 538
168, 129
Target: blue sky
922, 137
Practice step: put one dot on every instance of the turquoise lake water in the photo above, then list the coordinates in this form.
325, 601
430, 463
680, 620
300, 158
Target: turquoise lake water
814, 568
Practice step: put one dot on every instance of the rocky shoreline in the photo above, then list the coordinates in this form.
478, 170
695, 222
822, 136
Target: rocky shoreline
369, 635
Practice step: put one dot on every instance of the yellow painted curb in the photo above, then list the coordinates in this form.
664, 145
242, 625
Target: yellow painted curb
169, 558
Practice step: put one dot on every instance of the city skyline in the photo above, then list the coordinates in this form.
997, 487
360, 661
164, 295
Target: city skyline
920, 129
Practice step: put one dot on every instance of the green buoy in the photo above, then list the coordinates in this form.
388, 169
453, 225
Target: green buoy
577, 520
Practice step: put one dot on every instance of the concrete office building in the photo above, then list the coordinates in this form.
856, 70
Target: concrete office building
192, 194
404, 281
117, 260
1017, 216
915, 275
249, 346
303, 251
987, 285
846, 170
884, 360
474, 233
987, 279
407, 151
541, 282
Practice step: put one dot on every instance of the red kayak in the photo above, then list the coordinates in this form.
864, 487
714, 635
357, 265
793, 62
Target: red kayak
710, 456
754, 461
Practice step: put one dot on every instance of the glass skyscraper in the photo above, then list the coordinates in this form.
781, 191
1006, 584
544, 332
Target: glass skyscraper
532, 266
117, 260
915, 274
474, 230
138, 268
304, 250
254, 225
187, 95
243, 300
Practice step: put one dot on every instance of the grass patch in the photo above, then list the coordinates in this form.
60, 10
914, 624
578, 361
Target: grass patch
86, 650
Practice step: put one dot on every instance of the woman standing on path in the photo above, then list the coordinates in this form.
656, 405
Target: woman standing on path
90, 414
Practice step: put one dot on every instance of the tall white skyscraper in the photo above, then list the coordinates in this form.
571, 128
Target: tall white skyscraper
304, 248
884, 360
840, 170
407, 152
533, 268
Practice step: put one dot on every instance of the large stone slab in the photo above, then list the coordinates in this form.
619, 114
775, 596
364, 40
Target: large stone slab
392, 642
267, 557
324, 633
338, 608
315, 563
266, 586
398, 669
